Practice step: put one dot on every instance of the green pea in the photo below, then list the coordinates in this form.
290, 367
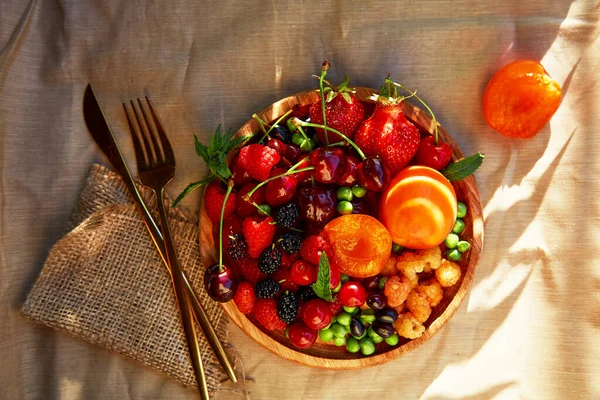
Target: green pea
396, 248
459, 226
359, 191
337, 288
307, 145
291, 127
344, 318
344, 207
265, 209
367, 316
338, 330
352, 345
453, 255
345, 278
461, 210
351, 310
377, 339
392, 340
463, 246
344, 193
452, 240
326, 335
367, 346
374, 336
382, 282
339, 341
361, 336
297, 139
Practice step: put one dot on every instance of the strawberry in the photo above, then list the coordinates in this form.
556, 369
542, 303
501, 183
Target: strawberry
245, 208
258, 160
387, 133
343, 112
213, 202
265, 311
313, 246
259, 233
245, 298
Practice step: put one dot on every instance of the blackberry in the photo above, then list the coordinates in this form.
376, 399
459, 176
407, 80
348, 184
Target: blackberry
267, 289
306, 293
291, 242
287, 307
287, 215
269, 260
237, 247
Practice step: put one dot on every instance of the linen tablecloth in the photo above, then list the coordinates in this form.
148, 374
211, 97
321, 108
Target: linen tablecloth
529, 327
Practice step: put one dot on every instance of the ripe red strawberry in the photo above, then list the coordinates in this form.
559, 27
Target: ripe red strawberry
245, 298
245, 208
213, 201
248, 268
259, 233
313, 246
343, 111
387, 133
265, 311
258, 160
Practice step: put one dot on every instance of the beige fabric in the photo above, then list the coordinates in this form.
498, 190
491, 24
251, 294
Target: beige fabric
530, 326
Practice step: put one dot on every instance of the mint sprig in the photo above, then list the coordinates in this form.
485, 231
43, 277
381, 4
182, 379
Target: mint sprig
322, 287
463, 168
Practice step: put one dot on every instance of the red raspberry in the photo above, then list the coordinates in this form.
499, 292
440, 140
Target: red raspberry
213, 201
244, 298
245, 208
265, 311
313, 246
258, 160
282, 275
249, 270
259, 233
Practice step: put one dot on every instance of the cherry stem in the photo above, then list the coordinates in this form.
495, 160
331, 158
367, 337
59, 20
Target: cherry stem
414, 94
229, 188
291, 228
324, 69
302, 132
261, 123
286, 173
346, 138
274, 125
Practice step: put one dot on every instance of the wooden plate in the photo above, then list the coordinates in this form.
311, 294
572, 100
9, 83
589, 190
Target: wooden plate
328, 356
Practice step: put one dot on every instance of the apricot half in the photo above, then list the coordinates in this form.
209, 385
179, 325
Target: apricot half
418, 208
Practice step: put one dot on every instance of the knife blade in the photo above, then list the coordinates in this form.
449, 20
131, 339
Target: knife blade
104, 138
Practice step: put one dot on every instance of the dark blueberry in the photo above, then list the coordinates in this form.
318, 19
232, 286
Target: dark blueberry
387, 315
383, 329
376, 301
356, 328
371, 283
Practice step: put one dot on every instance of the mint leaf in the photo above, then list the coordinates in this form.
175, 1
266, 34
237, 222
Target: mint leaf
463, 168
322, 287
189, 188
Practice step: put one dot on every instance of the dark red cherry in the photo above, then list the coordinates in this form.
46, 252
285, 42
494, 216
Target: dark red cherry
373, 175
330, 164
304, 177
317, 204
349, 176
293, 153
281, 190
277, 145
220, 283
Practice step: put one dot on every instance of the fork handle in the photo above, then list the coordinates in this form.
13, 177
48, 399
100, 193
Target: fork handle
185, 307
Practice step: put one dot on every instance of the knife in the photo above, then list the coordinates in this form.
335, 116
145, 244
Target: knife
102, 135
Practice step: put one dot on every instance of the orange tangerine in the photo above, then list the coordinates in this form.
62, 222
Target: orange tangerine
418, 208
361, 244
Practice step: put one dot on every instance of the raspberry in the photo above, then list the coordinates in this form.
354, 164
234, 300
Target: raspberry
245, 208
213, 202
287, 215
237, 247
290, 242
244, 298
282, 275
448, 273
287, 307
396, 290
313, 246
249, 270
258, 160
418, 304
259, 233
265, 311
269, 260
267, 289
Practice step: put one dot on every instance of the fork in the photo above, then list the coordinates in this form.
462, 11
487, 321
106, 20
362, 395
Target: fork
156, 168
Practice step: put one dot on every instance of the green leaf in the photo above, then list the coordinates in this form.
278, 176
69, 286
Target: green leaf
346, 97
463, 168
201, 149
322, 287
189, 188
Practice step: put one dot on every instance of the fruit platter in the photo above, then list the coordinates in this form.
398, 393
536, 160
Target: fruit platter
341, 227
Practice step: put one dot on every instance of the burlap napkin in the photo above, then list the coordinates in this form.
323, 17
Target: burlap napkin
105, 282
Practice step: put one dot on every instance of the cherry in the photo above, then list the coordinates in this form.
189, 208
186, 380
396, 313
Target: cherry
281, 190
293, 153
303, 273
432, 155
316, 314
277, 145
220, 283
349, 176
317, 204
330, 164
373, 174
246, 208
335, 277
352, 294
301, 335
304, 177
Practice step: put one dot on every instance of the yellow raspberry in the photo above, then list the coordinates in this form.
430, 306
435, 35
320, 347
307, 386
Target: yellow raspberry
448, 273
432, 290
408, 326
418, 305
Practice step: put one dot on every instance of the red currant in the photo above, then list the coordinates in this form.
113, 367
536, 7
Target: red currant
352, 294
301, 335
316, 314
303, 273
